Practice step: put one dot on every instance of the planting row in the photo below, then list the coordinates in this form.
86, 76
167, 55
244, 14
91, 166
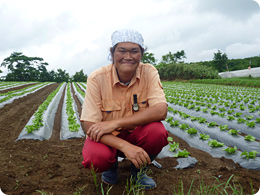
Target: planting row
40, 125
10, 85
192, 119
9, 97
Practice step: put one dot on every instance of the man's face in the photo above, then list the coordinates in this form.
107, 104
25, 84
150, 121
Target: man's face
127, 57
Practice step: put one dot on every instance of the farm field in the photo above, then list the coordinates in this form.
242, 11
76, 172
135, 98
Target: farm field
54, 166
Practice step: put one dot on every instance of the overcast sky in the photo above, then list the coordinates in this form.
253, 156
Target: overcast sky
75, 35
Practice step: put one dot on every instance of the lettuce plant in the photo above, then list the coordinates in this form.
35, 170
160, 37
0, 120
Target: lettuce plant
169, 119
184, 126
204, 136
183, 153
250, 124
251, 154
173, 146
230, 118
230, 150
205, 110
212, 124
202, 120
249, 117
174, 123
250, 138
192, 131
241, 120
170, 139
233, 132
215, 143
238, 114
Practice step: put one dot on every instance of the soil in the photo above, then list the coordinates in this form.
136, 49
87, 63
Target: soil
54, 166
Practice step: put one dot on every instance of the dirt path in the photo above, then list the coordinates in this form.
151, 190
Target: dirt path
54, 166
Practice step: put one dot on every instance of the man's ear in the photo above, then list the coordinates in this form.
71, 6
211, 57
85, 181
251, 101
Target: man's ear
112, 54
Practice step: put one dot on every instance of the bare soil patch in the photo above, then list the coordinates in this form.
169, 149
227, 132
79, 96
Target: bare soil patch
54, 166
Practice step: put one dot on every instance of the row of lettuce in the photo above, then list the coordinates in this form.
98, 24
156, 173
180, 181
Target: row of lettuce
40, 125
221, 120
70, 124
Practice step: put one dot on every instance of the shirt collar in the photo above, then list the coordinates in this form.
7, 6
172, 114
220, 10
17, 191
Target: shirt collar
116, 79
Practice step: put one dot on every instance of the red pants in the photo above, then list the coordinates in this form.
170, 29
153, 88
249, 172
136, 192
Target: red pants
151, 137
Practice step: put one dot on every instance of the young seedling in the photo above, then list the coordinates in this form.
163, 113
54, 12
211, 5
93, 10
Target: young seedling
230, 150
251, 154
233, 132
249, 117
204, 136
241, 120
183, 153
215, 143
184, 126
173, 146
250, 138
250, 124
191, 131
212, 124
174, 123
170, 139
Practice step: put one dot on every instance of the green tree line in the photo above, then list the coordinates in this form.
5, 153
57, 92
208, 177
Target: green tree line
221, 62
170, 67
24, 68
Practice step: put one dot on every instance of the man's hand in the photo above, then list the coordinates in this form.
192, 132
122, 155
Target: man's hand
97, 130
136, 155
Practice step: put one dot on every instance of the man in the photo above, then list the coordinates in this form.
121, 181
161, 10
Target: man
122, 110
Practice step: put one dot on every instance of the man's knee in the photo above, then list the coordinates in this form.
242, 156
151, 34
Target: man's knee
97, 156
153, 138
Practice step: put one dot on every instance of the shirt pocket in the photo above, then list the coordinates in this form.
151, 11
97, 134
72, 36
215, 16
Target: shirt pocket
143, 104
142, 100
110, 109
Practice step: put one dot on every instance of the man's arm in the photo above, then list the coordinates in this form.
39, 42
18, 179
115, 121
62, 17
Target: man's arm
135, 154
102, 132
157, 112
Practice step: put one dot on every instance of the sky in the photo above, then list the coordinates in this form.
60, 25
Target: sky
76, 35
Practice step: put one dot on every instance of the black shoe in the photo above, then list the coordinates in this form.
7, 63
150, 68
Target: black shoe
141, 179
111, 175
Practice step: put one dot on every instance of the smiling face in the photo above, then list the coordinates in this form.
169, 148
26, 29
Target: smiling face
126, 59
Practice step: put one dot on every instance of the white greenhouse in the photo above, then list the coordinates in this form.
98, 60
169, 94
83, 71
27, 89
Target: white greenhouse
254, 72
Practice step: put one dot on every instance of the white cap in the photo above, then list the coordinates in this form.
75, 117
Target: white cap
127, 35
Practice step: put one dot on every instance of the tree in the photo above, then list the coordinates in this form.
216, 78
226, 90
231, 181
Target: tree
220, 61
148, 58
23, 68
174, 57
61, 76
79, 77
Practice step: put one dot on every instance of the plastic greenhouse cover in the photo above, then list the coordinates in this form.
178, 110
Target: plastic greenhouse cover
254, 72
81, 99
65, 133
196, 142
17, 97
222, 136
44, 133
254, 131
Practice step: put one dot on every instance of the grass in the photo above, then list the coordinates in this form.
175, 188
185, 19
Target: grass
231, 186
236, 81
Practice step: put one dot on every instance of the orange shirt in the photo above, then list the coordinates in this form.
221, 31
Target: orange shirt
107, 99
